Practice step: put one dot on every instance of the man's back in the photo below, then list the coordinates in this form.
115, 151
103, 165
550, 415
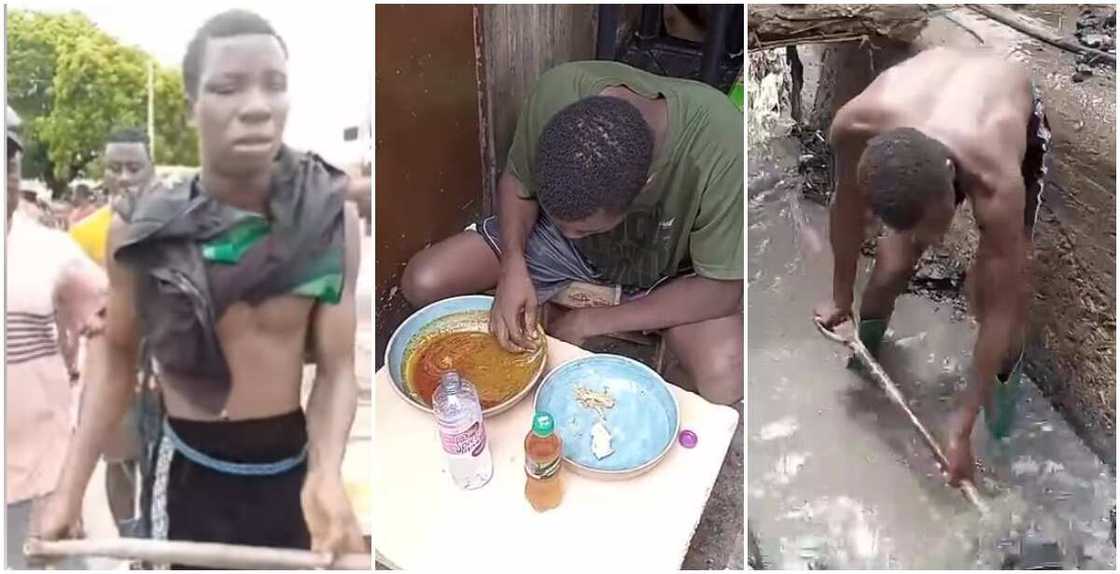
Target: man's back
974, 103
945, 90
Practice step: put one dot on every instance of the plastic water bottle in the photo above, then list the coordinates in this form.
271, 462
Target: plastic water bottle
462, 432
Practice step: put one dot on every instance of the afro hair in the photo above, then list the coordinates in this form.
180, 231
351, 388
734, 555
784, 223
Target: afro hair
904, 171
593, 155
225, 25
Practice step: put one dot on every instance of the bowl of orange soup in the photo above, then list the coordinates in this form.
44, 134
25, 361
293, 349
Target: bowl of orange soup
454, 335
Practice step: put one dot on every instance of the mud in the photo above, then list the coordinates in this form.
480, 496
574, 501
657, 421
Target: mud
1096, 28
838, 478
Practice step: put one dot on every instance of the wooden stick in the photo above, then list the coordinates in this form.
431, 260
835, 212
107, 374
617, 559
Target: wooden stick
1043, 33
759, 45
880, 376
202, 554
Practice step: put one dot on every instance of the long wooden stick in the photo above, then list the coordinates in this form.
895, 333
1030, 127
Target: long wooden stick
1008, 18
880, 376
202, 554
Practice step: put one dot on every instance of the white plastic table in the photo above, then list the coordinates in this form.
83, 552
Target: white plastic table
422, 521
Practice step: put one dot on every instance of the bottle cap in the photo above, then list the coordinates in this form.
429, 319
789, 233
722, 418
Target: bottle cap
451, 380
688, 439
543, 424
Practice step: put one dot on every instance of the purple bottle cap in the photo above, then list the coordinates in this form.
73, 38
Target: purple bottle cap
687, 438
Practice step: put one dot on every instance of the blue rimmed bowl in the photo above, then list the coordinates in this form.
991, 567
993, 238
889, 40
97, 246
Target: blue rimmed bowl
467, 313
643, 423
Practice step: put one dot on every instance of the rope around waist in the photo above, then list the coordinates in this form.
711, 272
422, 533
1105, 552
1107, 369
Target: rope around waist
236, 468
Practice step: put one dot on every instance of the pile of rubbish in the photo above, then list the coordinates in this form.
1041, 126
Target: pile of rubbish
1096, 29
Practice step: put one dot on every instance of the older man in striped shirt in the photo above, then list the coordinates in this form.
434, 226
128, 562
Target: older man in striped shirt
53, 291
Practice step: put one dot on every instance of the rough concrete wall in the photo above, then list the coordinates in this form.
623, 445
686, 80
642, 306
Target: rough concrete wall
520, 43
1071, 351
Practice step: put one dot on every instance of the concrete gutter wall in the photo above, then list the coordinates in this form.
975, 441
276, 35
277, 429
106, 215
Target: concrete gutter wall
1071, 351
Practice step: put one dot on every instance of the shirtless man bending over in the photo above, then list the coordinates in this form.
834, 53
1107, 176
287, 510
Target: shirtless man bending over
927, 134
227, 278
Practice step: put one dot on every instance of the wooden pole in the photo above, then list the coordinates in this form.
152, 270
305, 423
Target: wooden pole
201, 554
1044, 33
880, 376
780, 25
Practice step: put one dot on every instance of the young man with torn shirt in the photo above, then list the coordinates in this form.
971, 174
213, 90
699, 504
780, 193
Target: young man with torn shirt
228, 278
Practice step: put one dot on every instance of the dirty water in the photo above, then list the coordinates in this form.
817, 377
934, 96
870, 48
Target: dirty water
838, 478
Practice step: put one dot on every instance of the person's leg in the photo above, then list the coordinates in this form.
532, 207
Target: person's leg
1000, 408
710, 354
19, 524
459, 265
120, 455
896, 258
120, 484
469, 263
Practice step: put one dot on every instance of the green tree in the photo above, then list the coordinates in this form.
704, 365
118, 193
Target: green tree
176, 142
73, 85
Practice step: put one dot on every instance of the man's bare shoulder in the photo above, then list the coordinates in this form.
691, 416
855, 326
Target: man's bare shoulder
859, 120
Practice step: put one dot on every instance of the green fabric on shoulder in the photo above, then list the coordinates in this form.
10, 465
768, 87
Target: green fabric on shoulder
324, 278
230, 246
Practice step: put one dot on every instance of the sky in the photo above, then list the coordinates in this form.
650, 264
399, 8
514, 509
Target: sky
330, 46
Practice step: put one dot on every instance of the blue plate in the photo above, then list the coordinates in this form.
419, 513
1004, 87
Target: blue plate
467, 313
643, 422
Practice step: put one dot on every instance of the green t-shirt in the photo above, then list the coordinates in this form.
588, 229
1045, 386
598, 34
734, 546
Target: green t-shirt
691, 215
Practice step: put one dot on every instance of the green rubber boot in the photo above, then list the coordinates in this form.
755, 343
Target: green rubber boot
1000, 411
871, 333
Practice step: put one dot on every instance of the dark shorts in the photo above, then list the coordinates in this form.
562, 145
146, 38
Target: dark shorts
195, 502
553, 260
1036, 161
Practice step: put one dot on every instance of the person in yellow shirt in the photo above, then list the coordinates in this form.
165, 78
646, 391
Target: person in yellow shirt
128, 171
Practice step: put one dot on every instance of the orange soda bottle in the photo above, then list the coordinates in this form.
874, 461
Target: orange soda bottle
543, 457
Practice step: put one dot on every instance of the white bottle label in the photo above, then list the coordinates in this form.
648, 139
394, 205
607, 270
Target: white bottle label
471, 441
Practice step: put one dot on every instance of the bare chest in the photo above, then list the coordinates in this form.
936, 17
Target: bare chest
276, 317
